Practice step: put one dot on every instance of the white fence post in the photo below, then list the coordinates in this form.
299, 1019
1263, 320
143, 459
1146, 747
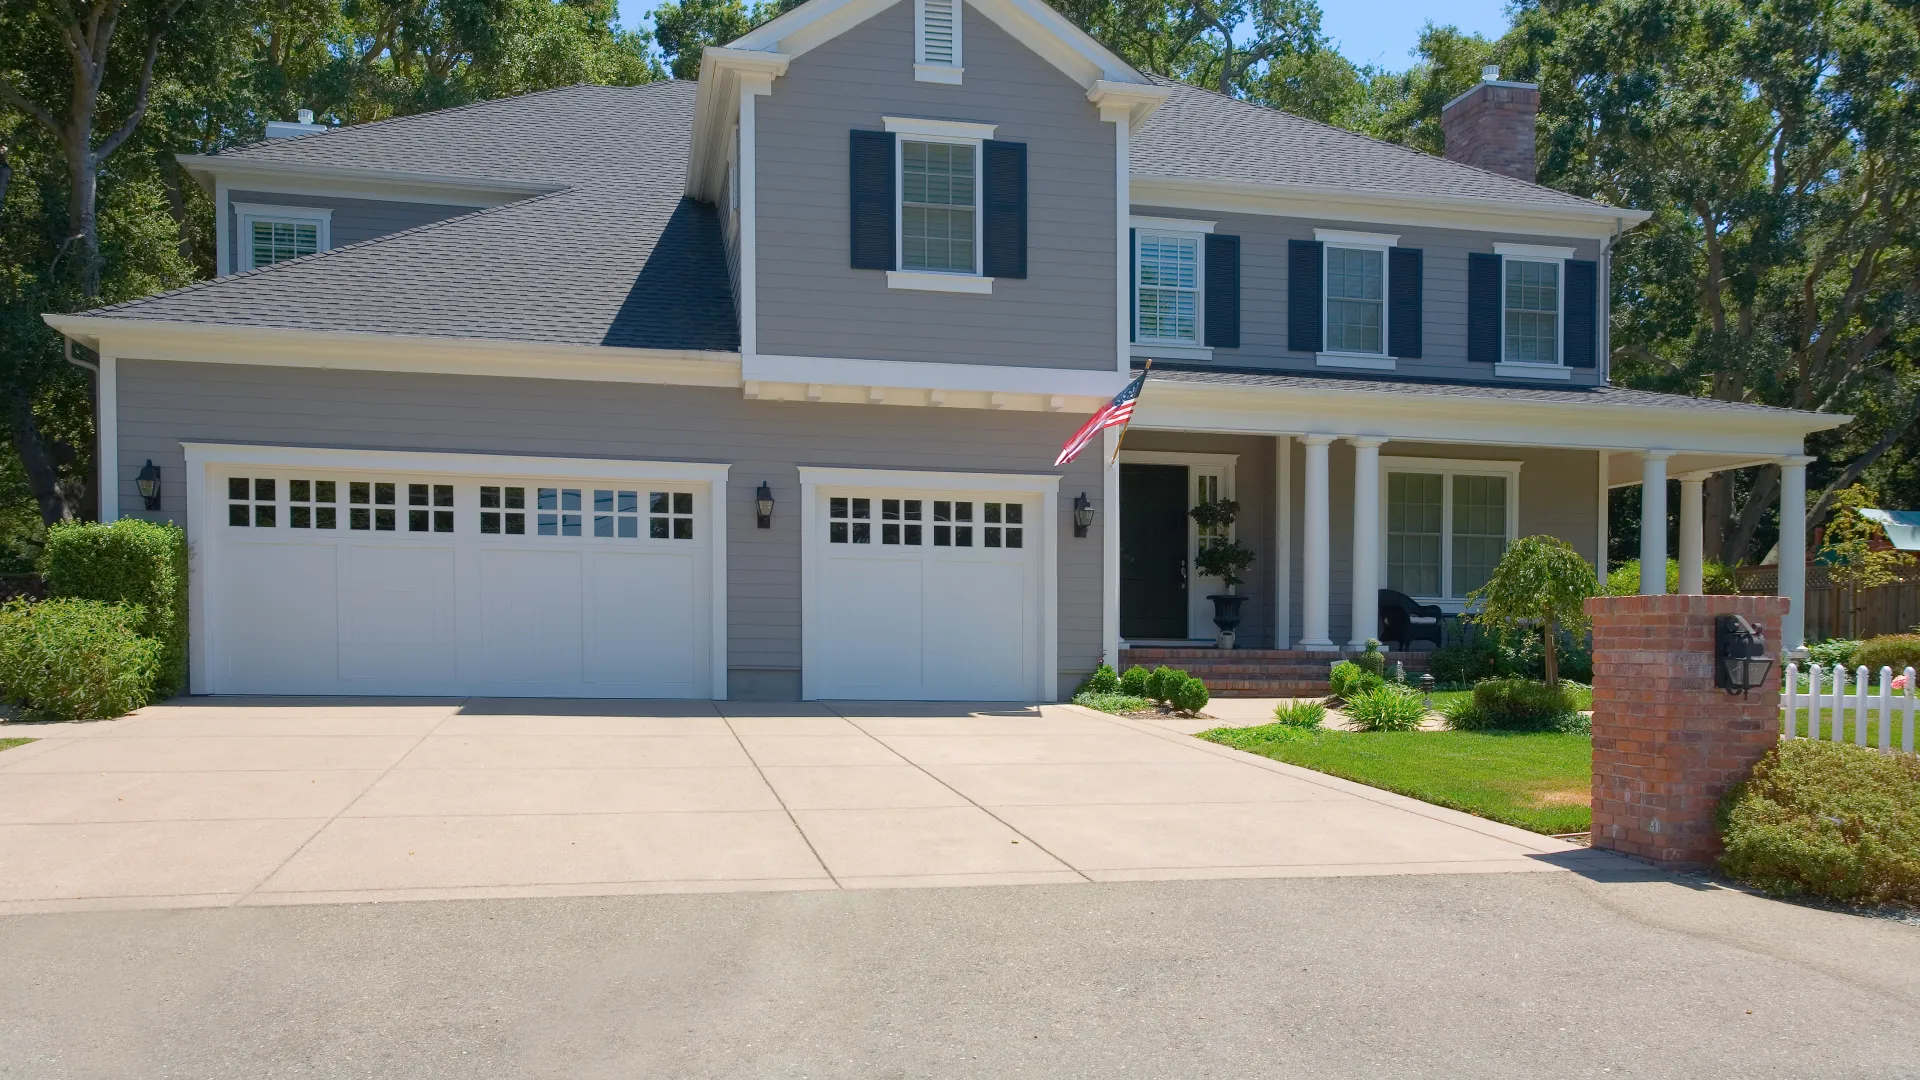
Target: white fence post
1790, 700
1888, 706
1860, 688
1906, 738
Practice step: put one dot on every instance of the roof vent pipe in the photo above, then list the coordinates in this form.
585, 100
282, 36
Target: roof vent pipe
305, 116
1489, 73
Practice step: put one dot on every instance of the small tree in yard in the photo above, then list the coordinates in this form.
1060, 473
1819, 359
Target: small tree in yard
1541, 582
1852, 562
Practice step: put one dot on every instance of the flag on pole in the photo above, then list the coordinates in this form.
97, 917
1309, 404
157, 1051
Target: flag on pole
1114, 413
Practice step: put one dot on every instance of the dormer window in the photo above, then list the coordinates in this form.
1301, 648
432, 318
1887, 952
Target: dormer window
274, 234
936, 41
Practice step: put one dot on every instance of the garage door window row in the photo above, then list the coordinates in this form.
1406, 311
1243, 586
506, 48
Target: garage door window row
403, 506
850, 520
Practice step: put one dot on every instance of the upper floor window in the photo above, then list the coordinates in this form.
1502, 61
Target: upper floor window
1532, 311
273, 234
1356, 300
939, 222
936, 36
1167, 287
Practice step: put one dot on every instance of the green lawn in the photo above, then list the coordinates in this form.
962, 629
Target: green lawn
1850, 727
1582, 698
8, 744
1538, 781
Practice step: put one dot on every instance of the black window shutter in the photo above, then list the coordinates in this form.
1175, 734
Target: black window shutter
1003, 171
1483, 307
870, 182
1223, 291
1133, 281
1582, 309
1404, 282
1304, 332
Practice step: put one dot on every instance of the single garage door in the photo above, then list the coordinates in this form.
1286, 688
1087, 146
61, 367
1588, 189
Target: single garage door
926, 593
321, 579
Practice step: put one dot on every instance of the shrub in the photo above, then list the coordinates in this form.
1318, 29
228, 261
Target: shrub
1371, 659
1515, 705
1300, 714
1102, 681
1348, 679
1112, 703
1160, 684
1189, 695
1832, 820
133, 562
1897, 651
1386, 708
1833, 651
1134, 682
1624, 580
1464, 665
76, 659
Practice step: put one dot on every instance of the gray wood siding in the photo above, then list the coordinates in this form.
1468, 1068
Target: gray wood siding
163, 404
1263, 292
353, 220
813, 304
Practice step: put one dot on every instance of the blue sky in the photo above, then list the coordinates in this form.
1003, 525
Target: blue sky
1368, 31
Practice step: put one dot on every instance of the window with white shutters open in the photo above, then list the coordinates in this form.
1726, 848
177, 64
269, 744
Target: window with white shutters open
936, 26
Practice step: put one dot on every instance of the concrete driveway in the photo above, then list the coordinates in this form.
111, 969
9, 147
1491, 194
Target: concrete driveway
215, 802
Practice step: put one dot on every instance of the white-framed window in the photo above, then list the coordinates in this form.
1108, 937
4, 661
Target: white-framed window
272, 234
936, 41
939, 205
1532, 304
1353, 292
1446, 523
1168, 268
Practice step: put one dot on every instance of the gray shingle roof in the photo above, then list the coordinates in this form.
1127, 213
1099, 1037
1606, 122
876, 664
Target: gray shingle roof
615, 256
1402, 386
1201, 135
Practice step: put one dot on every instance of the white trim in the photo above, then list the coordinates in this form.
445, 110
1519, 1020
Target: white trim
1169, 224
107, 439
203, 510
1283, 542
947, 130
915, 375
1125, 100
293, 129
1155, 349
1108, 521
938, 281
920, 279
1605, 509
246, 214
1345, 238
1359, 361
814, 477
1514, 369
925, 70
1122, 279
1338, 203
1448, 468
1528, 369
387, 185
222, 227
1158, 345
1540, 252
749, 257
1178, 457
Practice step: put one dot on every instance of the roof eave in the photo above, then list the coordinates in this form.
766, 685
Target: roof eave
208, 169
1594, 219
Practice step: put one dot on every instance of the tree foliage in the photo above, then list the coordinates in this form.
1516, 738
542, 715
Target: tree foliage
1541, 584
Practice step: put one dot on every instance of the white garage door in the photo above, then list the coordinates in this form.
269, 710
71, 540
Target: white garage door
926, 593
326, 580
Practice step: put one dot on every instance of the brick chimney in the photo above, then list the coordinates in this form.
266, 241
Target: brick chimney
1491, 125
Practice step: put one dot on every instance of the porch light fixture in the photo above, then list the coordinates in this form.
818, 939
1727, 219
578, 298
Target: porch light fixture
1739, 663
1082, 515
148, 484
763, 505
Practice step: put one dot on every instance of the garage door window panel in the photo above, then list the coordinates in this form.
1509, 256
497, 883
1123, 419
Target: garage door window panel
503, 510
310, 504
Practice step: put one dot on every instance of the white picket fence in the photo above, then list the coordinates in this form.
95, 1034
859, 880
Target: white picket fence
1827, 698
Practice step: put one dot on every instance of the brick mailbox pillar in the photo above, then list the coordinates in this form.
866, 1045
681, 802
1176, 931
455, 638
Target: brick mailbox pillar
1666, 744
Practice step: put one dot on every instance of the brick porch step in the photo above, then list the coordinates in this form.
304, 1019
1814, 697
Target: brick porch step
1256, 672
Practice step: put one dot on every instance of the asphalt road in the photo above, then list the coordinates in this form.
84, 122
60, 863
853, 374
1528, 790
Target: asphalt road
1485, 976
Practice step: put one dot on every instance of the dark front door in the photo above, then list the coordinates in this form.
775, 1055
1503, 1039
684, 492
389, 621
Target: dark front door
1153, 551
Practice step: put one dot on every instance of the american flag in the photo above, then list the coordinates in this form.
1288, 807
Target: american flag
1114, 413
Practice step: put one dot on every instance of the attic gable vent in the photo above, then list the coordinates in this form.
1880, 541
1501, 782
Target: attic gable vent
936, 25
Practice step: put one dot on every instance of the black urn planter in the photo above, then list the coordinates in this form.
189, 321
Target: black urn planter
1226, 612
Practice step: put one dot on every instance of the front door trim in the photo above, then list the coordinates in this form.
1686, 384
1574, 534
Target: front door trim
1221, 465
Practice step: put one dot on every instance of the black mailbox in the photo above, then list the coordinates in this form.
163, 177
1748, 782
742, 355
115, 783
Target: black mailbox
1740, 662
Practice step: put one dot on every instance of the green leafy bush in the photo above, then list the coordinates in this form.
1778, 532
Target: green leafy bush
1300, 714
1516, 705
132, 562
1827, 819
1189, 695
1897, 651
1348, 679
1386, 708
1833, 650
1624, 580
1113, 703
1134, 682
1102, 681
1371, 659
1463, 665
76, 659
1160, 684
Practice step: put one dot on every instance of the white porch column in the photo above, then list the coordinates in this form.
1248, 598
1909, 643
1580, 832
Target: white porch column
1653, 521
1366, 538
1109, 525
1792, 582
1283, 542
1316, 544
1693, 539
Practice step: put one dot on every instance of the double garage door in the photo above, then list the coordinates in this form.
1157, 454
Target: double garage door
458, 575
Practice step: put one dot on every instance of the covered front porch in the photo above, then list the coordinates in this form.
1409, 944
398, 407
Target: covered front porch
1352, 491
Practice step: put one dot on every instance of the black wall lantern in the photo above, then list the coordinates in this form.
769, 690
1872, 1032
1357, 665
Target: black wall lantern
1082, 515
148, 484
763, 505
1739, 660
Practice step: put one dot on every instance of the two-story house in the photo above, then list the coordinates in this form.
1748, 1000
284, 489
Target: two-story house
752, 387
